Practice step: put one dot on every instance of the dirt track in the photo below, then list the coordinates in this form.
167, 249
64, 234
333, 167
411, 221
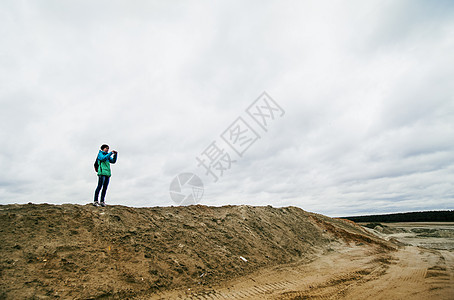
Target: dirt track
199, 252
348, 273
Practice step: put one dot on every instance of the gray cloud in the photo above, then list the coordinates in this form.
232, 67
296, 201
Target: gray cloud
366, 87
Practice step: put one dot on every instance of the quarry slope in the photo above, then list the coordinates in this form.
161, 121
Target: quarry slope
84, 252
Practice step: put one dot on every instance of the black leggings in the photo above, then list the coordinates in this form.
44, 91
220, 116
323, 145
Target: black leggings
103, 182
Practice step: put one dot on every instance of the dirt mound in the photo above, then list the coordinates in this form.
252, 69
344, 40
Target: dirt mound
74, 251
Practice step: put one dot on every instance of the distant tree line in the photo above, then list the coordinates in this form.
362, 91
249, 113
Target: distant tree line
423, 216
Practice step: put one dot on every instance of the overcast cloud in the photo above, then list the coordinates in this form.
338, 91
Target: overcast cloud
367, 89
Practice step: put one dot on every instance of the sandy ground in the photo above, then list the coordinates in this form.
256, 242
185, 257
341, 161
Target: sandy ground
426, 235
231, 252
117, 252
348, 273
422, 267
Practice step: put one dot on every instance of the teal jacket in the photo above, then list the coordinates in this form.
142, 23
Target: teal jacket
104, 161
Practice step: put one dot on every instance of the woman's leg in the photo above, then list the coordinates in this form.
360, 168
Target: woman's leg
98, 188
104, 187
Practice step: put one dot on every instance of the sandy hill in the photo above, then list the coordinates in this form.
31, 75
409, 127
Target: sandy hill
84, 252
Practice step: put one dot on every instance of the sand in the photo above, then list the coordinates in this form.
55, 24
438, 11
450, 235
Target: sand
199, 252
347, 273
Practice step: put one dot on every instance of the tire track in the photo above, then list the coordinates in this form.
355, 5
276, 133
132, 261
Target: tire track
330, 278
247, 293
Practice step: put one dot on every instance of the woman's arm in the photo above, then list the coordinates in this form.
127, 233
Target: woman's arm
103, 157
114, 158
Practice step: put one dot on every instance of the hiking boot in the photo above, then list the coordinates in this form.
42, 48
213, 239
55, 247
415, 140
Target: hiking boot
95, 204
103, 204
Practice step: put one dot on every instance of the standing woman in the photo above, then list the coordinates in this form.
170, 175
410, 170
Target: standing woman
104, 160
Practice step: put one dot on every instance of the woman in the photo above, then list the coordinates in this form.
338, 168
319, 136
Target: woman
104, 160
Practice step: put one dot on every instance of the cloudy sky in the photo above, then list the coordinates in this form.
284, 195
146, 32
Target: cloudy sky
366, 89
